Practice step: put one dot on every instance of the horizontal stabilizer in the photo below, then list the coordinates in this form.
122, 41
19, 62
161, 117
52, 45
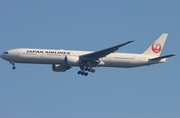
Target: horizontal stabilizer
162, 57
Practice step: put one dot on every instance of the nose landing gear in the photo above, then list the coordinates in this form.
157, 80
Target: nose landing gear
84, 72
13, 67
13, 64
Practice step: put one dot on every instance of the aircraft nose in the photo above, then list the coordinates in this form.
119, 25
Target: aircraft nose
4, 55
1, 56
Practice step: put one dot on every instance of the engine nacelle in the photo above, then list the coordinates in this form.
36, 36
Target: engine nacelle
60, 68
72, 60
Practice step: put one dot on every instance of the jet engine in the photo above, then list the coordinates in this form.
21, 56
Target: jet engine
72, 60
68, 61
60, 68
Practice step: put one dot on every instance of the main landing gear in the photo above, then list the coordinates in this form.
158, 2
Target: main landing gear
84, 71
13, 64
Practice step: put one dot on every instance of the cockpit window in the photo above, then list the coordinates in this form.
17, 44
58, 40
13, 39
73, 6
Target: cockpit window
5, 52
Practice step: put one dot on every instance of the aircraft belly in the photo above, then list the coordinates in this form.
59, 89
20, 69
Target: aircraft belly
123, 63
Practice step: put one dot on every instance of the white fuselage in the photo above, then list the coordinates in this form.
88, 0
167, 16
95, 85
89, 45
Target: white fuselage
46, 56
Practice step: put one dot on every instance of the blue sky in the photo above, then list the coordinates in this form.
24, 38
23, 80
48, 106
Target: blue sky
35, 91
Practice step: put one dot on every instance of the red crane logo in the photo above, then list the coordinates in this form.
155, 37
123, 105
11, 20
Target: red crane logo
156, 48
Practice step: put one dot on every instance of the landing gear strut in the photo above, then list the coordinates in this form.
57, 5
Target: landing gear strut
84, 72
13, 64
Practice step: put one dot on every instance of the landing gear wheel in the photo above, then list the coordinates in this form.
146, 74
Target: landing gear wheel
93, 70
86, 69
85, 74
13, 67
82, 73
79, 72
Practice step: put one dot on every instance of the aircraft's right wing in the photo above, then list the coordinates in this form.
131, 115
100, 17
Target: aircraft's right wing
162, 57
102, 53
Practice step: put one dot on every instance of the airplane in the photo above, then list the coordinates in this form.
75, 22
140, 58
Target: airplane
62, 60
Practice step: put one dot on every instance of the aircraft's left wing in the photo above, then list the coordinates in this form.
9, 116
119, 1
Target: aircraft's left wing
102, 53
